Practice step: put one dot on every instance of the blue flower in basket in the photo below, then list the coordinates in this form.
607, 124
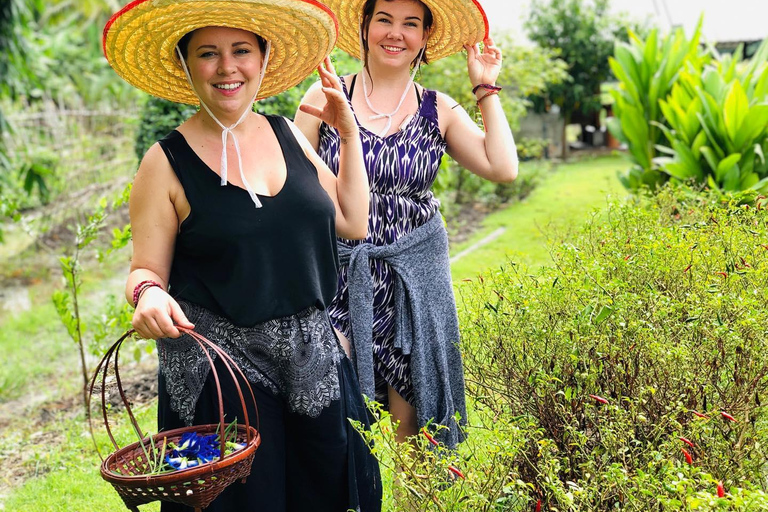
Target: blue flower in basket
193, 450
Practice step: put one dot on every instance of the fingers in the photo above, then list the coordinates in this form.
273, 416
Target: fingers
156, 315
311, 110
490, 48
328, 75
179, 318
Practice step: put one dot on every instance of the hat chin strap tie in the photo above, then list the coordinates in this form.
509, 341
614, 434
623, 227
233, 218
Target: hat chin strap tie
381, 115
226, 131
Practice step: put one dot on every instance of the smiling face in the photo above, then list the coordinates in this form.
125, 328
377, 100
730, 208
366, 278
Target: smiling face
224, 64
395, 30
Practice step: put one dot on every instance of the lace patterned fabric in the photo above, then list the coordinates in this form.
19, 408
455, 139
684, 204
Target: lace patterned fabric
296, 357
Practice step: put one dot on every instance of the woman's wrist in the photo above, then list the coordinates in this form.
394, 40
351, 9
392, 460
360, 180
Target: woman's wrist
142, 287
480, 90
345, 137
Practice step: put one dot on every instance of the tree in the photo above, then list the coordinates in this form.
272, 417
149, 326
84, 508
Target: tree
585, 33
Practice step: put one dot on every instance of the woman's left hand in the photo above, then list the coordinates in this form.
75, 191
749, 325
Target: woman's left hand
483, 67
336, 112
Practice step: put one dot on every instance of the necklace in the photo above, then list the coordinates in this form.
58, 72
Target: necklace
381, 115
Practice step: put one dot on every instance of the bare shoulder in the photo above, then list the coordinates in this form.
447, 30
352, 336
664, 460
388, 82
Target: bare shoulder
154, 165
155, 175
445, 102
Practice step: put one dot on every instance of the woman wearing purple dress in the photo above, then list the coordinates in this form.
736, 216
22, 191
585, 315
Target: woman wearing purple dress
395, 301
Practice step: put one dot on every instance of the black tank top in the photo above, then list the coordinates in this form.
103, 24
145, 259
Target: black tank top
253, 264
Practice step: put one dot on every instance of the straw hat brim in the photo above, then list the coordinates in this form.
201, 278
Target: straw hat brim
456, 23
139, 40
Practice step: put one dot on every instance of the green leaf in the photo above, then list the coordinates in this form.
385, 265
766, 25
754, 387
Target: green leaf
604, 313
735, 110
698, 143
679, 170
712, 139
732, 179
759, 152
725, 165
710, 157
748, 181
614, 126
713, 84
754, 126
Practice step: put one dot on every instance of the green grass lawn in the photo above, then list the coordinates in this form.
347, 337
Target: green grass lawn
560, 203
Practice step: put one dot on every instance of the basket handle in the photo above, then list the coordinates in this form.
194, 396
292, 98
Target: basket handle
206, 346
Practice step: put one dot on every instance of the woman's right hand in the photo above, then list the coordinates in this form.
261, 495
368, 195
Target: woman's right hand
336, 112
157, 315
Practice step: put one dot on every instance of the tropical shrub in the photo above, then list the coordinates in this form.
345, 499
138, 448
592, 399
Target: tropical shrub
718, 123
647, 70
646, 337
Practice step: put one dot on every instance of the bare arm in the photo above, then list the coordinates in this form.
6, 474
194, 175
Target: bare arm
154, 224
349, 190
491, 154
308, 123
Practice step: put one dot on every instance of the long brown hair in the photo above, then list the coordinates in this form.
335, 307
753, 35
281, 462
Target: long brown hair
368, 8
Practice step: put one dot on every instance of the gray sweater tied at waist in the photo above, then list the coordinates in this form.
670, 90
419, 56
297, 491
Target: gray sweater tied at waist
426, 322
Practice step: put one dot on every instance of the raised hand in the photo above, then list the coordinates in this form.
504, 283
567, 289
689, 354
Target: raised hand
483, 67
336, 112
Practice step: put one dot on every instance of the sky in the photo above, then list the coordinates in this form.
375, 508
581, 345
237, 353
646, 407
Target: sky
724, 20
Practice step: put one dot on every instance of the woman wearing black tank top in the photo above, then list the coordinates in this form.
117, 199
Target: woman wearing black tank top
234, 220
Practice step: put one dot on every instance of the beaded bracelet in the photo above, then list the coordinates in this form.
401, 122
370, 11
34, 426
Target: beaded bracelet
141, 288
489, 93
488, 87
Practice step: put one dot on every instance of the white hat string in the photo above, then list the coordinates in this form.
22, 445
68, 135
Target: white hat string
226, 131
380, 115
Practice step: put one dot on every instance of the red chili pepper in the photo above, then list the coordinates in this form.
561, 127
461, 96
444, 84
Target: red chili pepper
688, 442
456, 472
724, 274
467, 280
627, 257
599, 399
688, 457
728, 416
743, 262
429, 437
538, 505
764, 246
720, 490
687, 268
700, 415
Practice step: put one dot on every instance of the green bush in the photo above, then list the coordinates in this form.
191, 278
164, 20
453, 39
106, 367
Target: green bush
647, 70
656, 311
718, 124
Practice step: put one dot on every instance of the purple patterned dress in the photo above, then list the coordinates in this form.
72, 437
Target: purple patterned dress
401, 169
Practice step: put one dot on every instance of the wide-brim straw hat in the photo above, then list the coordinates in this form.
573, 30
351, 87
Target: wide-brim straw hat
456, 23
140, 40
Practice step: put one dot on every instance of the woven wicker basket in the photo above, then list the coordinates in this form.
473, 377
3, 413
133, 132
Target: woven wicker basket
128, 469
